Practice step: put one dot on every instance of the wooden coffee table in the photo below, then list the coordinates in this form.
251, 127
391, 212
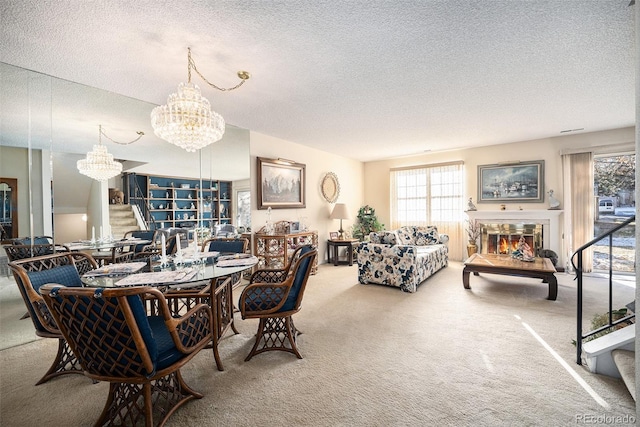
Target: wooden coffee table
541, 268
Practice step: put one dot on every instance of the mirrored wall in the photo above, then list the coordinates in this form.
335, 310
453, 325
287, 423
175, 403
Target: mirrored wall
47, 124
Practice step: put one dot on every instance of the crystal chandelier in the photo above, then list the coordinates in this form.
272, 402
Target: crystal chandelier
99, 164
187, 119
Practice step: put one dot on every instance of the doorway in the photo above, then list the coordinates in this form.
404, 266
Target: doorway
8, 209
614, 186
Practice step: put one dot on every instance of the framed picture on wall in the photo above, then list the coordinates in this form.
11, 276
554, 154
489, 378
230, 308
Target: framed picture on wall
519, 182
281, 184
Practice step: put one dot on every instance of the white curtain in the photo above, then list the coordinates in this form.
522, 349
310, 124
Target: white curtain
579, 206
431, 195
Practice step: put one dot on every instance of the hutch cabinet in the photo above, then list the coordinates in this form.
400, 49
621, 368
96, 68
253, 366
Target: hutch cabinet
275, 250
180, 202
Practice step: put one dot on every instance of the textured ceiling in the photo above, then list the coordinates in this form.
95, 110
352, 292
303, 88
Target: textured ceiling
367, 79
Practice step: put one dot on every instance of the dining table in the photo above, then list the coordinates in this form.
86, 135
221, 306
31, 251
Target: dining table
108, 251
185, 280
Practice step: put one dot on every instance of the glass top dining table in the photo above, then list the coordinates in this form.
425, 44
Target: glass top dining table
174, 275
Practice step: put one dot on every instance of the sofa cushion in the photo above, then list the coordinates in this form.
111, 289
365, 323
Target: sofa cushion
406, 235
426, 236
384, 237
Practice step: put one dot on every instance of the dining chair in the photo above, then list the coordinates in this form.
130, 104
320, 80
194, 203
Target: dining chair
22, 248
145, 248
275, 303
218, 294
140, 355
30, 274
226, 245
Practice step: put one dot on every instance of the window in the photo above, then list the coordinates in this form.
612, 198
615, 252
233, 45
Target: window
427, 194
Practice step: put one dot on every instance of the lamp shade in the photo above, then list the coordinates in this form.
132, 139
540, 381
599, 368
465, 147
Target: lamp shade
339, 212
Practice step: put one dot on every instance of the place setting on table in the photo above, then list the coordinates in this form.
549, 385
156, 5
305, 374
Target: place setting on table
187, 265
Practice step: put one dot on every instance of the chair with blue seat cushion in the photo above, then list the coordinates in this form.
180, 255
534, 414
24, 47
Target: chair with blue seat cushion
115, 340
22, 248
149, 235
275, 304
30, 274
225, 245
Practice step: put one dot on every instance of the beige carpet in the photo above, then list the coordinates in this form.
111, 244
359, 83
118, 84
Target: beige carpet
373, 356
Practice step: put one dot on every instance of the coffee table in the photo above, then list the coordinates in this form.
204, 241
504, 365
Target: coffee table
541, 268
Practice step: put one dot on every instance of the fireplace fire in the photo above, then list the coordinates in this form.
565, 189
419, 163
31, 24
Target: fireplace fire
503, 238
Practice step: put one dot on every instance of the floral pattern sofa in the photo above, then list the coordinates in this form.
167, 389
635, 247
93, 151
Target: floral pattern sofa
402, 258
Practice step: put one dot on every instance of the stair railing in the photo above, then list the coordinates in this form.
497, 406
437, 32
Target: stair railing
138, 199
578, 254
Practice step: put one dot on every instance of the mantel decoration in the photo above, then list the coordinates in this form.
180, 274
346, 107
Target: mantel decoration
330, 187
521, 182
99, 164
281, 184
187, 119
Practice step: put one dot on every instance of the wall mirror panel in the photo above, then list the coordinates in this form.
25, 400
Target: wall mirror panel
47, 124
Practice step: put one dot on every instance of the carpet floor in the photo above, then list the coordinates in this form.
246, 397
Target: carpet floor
499, 354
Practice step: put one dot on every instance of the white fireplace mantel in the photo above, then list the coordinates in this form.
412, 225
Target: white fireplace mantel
549, 218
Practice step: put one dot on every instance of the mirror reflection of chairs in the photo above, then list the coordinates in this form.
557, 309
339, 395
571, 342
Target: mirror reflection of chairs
275, 303
22, 248
143, 250
139, 355
30, 274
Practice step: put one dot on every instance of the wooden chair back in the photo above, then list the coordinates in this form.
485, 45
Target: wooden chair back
31, 273
226, 244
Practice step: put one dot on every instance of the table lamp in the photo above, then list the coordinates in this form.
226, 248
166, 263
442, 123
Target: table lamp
340, 212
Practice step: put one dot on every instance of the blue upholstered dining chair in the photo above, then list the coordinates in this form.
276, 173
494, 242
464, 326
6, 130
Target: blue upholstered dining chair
149, 235
30, 274
226, 245
115, 340
275, 303
28, 248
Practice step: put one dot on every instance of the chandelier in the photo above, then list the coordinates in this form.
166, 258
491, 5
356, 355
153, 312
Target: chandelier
187, 119
99, 164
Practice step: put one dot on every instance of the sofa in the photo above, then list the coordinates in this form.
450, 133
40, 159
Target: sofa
403, 258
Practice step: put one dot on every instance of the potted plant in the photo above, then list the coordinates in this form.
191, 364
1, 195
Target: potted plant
367, 222
473, 233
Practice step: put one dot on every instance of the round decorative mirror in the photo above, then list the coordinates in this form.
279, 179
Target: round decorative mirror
330, 187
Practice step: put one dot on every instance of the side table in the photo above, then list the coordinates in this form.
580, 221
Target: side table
333, 246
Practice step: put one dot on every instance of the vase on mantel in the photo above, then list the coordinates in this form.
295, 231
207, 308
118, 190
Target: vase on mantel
472, 248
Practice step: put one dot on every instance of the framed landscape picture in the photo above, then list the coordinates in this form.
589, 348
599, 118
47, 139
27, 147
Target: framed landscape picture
520, 182
281, 184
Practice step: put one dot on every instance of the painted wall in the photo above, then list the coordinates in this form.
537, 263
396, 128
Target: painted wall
14, 163
318, 163
376, 174
70, 227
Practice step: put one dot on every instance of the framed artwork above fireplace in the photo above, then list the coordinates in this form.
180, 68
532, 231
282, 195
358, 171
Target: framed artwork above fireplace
519, 182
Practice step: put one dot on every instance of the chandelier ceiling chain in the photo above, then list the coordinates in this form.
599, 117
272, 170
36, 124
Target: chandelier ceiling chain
187, 120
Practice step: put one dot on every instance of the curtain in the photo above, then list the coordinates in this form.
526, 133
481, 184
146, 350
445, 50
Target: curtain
431, 195
579, 216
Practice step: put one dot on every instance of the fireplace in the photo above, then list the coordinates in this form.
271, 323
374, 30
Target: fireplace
504, 238
546, 224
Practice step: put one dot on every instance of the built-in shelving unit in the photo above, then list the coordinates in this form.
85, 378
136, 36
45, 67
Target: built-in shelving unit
180, 202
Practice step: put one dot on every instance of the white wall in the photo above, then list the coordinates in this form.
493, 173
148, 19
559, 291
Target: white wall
318, 163
14, 163
376, 174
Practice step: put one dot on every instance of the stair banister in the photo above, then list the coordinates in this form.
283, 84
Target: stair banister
578, 269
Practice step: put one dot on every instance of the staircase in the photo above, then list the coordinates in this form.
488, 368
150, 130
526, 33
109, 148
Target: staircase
613, 355
122, 219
